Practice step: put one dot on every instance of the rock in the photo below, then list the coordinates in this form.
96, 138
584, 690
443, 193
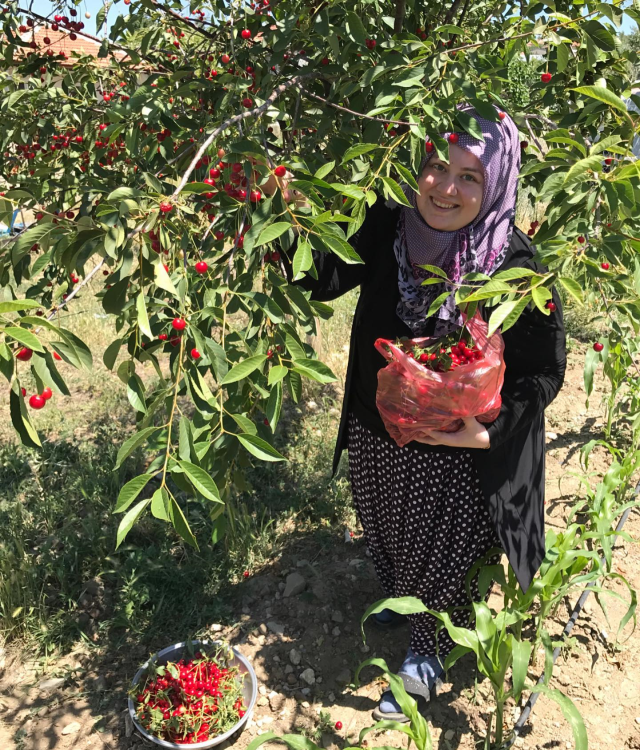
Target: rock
337, 616
637, 719
276, 701
306, 691
72, 728
262, 690
216, 627
308, 676
343, 677
449, 734
331, 697
364, 648
263, 628
335, 632
48, 686
276, 659
281, 586
100, 683
325, 628
295, 657
294, 585
128, 725
291, 679
302, 563
275, 627
288, 669
552, 436
262, 700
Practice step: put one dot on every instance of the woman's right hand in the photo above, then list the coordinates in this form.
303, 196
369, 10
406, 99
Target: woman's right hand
273, 183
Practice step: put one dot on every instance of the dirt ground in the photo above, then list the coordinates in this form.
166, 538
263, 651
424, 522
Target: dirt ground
318, 629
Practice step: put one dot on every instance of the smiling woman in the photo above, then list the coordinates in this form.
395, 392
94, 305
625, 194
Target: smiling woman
451, 194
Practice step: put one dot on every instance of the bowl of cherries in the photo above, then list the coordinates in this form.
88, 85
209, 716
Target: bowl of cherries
197, 694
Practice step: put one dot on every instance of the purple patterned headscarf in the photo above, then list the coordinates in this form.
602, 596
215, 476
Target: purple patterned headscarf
478, 247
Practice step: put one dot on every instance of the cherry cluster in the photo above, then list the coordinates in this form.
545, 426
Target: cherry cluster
190, 701
446, 354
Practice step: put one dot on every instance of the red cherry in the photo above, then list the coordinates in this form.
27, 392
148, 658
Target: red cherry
280, 171
166, 207
598, 347
247, 102
551, 306
195, 353
24, 391
453, 138
162, 337
174, 340
201, 266
275, 256
502, 115
46, 394
608, 161
545, 77
37, 402
225, 59
245, 574
581, 239
255, 196
179, 324
25, 354
56, 356
338, 725
424, 357
245, 34
604, 266
524, 144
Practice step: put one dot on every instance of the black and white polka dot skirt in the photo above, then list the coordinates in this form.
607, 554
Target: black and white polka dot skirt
425, 523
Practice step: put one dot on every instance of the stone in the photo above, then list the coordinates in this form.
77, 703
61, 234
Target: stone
288, 669
364, 648
128, 724
48, 686
335, 632
337, 616
275, 627
295, 584
343, 677
216, 627
262, 690
308, 676
263, 628
291, 679
449, 734
262, 701
331, 697
552, 436
72, 728
306, 691
295, 657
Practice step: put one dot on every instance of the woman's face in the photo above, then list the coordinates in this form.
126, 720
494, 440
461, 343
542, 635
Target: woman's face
456, 186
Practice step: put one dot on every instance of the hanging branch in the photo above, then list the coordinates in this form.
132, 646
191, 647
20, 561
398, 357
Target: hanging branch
452, 11
399, 17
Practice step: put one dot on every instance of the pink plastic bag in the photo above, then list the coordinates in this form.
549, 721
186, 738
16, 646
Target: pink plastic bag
412, 399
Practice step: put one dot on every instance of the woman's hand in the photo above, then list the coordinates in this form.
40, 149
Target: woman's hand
273, 183
473, 435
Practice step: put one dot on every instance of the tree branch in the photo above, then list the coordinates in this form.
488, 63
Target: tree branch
351, 111
399, 17
452, 11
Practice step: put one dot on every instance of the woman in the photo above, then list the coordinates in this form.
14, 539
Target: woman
432, 508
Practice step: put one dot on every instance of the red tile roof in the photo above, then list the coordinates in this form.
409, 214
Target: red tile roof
60, 42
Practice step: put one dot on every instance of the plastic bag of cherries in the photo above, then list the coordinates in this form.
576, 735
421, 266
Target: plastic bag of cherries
431, 384
190, 700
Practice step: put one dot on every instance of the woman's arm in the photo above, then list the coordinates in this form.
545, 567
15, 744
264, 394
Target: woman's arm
536, 359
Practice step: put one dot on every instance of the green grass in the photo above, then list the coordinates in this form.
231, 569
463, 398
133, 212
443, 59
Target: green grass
57, 530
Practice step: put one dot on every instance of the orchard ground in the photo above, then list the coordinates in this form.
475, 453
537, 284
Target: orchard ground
93, 615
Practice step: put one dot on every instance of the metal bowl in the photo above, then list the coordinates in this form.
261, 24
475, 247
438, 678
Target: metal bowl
175, 653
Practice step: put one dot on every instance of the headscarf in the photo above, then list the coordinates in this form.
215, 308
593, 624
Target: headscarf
480, 246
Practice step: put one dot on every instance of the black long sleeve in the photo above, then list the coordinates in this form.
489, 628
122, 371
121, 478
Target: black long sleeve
536, 360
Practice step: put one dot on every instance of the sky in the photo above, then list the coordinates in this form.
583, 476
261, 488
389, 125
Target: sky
44, 7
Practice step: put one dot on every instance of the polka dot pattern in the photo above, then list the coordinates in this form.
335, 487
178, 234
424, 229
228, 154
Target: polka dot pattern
425, 523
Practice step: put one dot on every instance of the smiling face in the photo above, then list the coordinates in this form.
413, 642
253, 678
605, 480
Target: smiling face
451, 194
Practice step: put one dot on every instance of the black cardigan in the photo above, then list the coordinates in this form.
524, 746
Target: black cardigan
511, 471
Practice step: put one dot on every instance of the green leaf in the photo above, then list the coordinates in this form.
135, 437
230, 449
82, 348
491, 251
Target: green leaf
129, 445
25, 337
130, 492
507, 313
358, 150
272, 232
591, 361
181, 525
274, 405
470, 125
201, 480
18, 305
302, 259
571, 714
593, 163
20, 418
521, 651
324, 170
143, 318
574, 289
541, 295
435, 270
160, 504
127, 522
490, 289
163, 280
74, 350
602, 95
260, 448
135, 393
393, 190
437, 303
111, 353
276, 374
407, 177
514, 273
355, 29
341, 248
244, 368
315, 370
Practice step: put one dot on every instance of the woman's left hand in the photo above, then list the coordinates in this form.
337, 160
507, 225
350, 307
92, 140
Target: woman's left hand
473, 435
